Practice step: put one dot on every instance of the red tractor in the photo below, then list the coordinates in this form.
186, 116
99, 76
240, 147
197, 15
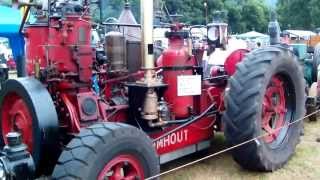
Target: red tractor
76, 116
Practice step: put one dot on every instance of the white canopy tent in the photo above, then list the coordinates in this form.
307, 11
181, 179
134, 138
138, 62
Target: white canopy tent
252, 35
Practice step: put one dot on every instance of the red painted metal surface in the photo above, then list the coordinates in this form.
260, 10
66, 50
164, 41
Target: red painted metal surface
36, 38
233, 59
216, 95
122, 167
174, 57
274, 109
63, 51
71, 120
70, 51
192, 134
16, 116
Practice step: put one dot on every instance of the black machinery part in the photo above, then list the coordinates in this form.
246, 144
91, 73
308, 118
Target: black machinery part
16, 162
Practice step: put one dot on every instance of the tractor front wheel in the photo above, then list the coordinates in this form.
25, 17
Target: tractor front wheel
108, 151
266, 97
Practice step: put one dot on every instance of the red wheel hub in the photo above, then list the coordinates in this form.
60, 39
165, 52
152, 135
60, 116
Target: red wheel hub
274, 109
16, 117
122, 167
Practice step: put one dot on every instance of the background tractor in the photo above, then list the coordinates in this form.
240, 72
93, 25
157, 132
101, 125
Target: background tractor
76, 116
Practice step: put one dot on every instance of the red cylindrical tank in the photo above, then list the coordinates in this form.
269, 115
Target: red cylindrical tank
175, 62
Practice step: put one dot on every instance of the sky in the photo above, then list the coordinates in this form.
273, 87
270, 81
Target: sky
272, 2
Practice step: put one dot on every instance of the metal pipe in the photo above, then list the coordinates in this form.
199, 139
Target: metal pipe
147, 33
216, 77
274, 29
21, 66
24, 19
204, 113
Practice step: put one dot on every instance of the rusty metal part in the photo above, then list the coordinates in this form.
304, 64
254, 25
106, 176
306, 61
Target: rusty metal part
115, 48
37, 69
164, 111
150, 105
164, 116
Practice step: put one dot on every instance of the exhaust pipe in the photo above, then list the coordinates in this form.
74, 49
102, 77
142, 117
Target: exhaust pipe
150, 104
147, 34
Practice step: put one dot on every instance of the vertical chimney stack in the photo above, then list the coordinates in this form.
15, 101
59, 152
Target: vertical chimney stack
147, 33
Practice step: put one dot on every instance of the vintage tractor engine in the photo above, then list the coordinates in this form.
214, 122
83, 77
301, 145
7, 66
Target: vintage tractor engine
60, 55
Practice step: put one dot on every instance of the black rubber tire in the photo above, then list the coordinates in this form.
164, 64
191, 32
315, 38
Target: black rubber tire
242, 118
86, 154
45, 118
315, 62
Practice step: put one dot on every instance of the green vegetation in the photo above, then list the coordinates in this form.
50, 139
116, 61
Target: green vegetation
242, 15
299, 14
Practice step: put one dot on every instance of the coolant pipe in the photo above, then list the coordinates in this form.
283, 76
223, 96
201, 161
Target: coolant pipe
186, 124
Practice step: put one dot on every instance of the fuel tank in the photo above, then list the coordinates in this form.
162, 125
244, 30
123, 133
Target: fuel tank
175, 62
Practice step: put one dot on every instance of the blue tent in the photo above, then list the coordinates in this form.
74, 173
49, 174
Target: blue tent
10, 20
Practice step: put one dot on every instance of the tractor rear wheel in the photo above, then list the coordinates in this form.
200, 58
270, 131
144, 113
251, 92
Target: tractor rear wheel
108, 151
267, 92
26, 107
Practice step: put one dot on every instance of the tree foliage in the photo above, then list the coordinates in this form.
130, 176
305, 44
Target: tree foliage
299, 14
242, 15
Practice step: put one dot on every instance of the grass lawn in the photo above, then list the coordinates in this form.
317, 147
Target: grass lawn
305, 164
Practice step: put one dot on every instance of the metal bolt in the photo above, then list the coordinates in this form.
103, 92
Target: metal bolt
13, 138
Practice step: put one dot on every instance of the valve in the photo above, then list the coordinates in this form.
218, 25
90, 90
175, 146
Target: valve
16, 162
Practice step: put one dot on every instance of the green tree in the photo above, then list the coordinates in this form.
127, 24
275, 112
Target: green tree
299, 14
113, 9
242, 15
255, 14
315, 13
193, 11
